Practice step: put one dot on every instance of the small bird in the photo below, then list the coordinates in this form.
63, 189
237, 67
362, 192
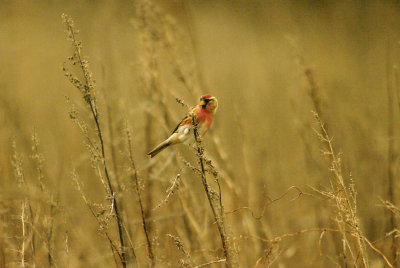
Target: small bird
203, 114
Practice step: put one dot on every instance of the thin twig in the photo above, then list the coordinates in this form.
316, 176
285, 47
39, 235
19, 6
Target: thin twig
209, 263
171, 190
229, 251
270, 201
135, 178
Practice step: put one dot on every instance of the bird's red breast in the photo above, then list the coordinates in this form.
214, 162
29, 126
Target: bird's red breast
203, 117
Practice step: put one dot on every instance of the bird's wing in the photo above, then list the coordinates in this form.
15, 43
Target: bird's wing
185, 121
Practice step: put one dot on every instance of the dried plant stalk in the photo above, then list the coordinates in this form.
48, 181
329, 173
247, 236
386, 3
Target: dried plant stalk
102, 224
227, 244
135, 178
25, 204
187, 262
48, 221
23, 220
391, 155
345, 197
87, 88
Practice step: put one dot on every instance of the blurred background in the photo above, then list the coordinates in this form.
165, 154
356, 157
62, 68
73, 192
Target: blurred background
254, 56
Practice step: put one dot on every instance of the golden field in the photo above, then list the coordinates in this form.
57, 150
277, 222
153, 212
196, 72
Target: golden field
300, 167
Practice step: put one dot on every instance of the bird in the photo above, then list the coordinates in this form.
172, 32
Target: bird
203, 115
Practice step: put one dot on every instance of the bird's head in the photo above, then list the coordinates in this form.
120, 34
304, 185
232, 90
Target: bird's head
209, 103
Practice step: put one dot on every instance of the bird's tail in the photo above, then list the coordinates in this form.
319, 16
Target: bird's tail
159, 148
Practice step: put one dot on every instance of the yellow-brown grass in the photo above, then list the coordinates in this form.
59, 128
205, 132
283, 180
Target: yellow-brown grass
260, 190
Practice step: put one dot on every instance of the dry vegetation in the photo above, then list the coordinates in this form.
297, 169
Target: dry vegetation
300, 168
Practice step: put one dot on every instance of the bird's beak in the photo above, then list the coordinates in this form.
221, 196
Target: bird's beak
202, 102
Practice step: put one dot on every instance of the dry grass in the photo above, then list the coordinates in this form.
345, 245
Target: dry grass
271, 185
